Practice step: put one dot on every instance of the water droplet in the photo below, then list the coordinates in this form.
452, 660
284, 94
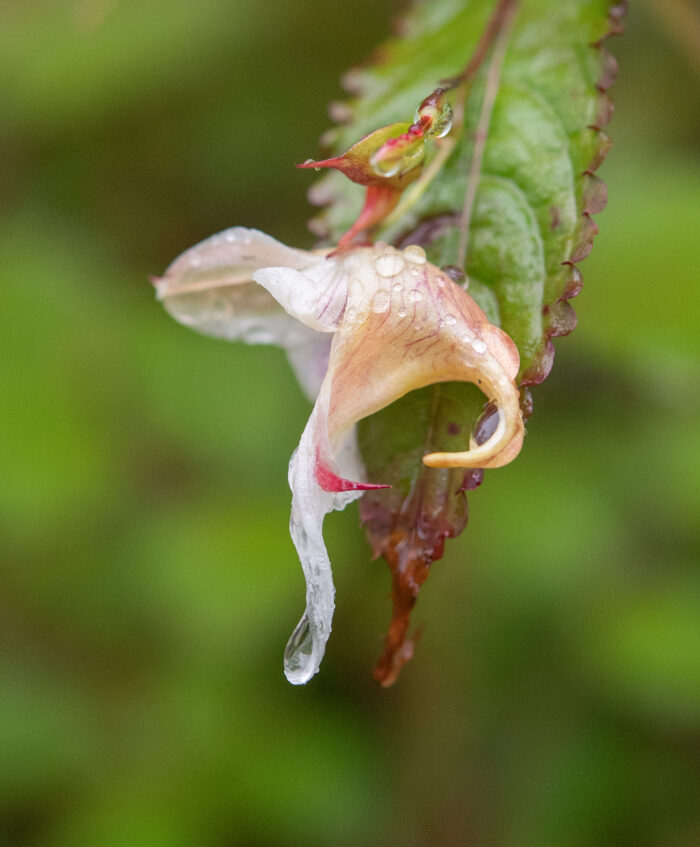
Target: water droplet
389, 264
414, 295
402, 312
230, 237
440, 282
356, 290
486, 425
386, 167
381, 301
467, 338
415, 254
450, 319
479, 346
299, 647
455, 274
399, 158
443, 124
397, 287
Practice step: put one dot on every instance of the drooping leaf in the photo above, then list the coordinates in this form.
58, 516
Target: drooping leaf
529, 224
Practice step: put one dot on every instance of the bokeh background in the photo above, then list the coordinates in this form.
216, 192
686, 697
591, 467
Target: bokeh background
148, 582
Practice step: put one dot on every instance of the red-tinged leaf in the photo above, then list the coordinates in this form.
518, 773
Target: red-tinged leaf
524, 159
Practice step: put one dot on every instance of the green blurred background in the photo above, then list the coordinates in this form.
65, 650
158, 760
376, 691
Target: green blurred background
148, 582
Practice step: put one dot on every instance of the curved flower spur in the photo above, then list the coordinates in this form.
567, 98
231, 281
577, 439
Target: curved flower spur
361, 328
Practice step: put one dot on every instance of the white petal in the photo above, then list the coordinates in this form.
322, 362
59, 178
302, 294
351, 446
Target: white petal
310, 504
210, 288
308, 357
316, 296
228, 258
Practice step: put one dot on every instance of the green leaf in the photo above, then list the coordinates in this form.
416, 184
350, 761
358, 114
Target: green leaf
530, 223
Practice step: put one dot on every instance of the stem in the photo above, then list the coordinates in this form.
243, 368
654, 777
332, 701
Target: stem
497, 21
502, 20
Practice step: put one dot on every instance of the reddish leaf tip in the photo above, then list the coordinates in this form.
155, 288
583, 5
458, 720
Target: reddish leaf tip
330, 481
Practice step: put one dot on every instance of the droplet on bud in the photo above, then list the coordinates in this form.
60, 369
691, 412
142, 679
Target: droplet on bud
443, 123
435, 114
398, 158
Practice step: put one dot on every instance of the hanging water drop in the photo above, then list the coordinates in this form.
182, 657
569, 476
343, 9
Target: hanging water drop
443, 123
299, 647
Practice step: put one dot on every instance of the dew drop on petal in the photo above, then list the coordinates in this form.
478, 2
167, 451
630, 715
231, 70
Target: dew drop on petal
402, 312
381, 301
479, 346
397, 287
440, 282
356, 290
415, 254
389, 264
450, 319
414, 295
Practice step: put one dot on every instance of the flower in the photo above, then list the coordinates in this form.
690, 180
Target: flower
361, 328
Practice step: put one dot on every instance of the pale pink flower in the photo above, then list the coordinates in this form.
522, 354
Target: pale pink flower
361, 328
